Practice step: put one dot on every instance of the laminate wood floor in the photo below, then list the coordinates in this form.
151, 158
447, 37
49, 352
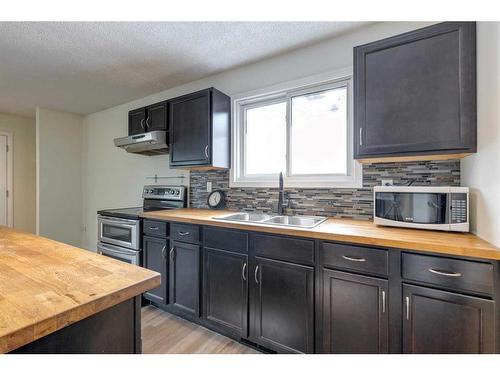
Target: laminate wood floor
164, 333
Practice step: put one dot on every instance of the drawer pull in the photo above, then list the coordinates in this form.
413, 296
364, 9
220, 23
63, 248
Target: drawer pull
153, 228
445, 273
353, 259
183, 233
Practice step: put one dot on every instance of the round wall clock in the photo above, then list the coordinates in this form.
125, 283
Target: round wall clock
216, 199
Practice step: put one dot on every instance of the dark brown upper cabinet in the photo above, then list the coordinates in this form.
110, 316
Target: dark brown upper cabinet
415, 95
200, 130
146, 119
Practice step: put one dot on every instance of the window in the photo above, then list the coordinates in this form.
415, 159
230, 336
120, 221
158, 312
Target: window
303, 130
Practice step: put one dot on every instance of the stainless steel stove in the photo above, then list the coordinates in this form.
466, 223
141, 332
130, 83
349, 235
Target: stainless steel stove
119, 230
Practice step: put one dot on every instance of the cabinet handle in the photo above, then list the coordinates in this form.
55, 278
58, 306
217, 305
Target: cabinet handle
353, 259
243, 272
383, 301
445, 273
172, 254
407, 308
164, 251
142, 123
361, 136
183, 233
255, 274
153, 228
147, 122
206, 151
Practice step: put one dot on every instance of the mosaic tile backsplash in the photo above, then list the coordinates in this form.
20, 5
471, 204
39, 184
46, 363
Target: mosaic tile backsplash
351, 203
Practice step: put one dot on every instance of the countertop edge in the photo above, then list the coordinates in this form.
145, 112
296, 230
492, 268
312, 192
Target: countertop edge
37, 330
480, 253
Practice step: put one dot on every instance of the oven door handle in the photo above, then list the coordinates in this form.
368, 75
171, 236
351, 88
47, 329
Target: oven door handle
117, 220
107, 248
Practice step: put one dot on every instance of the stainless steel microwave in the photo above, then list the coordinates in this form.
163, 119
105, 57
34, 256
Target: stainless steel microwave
424, 207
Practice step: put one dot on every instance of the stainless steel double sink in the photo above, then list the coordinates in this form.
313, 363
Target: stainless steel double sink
283, 220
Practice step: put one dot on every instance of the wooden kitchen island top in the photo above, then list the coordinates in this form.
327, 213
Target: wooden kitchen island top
47, 285
351, 231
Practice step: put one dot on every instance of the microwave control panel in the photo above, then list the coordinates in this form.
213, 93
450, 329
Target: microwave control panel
459, 208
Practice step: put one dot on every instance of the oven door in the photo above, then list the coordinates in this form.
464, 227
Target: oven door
117, 231
412, 207
120, 253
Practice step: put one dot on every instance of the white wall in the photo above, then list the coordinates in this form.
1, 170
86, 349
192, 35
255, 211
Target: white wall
113, 178
481, 171
24, 169
59, 138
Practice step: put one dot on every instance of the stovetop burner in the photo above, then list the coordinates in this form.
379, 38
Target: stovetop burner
155, 197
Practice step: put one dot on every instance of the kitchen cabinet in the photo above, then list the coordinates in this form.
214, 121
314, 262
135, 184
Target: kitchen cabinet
156, 117
136, 120
225, 291
355, 313
184, 281
146, 119
200, 130
415, 94
282, 306
302, 295
438, 321
155, 259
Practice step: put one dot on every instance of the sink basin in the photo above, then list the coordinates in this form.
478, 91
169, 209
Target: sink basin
246, 216
290, 221
296, 221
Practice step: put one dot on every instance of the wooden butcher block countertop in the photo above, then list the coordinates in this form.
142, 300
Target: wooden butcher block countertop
352, 231
46, 285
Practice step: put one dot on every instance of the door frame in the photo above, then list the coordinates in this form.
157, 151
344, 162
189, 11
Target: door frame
10, 173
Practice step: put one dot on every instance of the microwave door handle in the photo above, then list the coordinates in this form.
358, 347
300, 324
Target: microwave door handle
117, 223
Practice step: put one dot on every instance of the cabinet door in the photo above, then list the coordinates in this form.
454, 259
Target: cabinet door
156, 116
355, 316
190, 129
137, 121
225, 290
436, 321
415, 93
155, 259
184, 285
282, 312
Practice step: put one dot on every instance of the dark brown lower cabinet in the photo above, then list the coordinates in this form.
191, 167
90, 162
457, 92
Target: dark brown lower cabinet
184, 285
436, 321
155, 259
225, 291
355, 315
282, 306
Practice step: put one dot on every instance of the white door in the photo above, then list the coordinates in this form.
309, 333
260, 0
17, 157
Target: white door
3, 180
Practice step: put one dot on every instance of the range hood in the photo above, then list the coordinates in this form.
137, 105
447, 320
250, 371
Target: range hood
150, 143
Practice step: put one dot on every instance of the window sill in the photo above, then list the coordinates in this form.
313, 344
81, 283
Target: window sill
354, 182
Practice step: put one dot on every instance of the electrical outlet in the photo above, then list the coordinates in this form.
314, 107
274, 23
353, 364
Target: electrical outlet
209, 186
387, 182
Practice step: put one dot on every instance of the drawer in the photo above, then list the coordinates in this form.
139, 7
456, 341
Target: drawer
356, 258
283, 248
462, 275
185, 232
154, 228
225, 239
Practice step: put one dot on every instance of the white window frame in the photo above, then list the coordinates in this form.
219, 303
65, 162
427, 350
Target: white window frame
284, 92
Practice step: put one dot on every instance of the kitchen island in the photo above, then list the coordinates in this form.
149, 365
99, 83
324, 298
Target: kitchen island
56, 298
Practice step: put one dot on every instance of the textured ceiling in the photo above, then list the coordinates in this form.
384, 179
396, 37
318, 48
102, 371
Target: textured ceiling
84, 67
